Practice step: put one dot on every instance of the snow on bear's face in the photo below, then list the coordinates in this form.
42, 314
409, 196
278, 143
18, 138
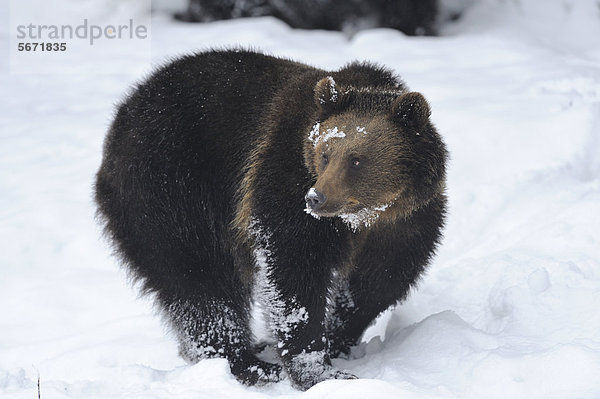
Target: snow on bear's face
368, 162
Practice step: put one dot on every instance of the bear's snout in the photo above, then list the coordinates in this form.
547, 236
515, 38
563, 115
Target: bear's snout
314, 199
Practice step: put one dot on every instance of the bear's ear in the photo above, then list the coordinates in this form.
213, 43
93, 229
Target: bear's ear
326, 93
411, 110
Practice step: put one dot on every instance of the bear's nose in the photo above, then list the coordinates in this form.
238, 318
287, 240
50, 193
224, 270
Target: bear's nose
314, 199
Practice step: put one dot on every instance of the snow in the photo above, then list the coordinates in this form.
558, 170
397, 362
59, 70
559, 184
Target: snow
315, 136
363, 218
333, 94
331, 133
279, 319
509, 307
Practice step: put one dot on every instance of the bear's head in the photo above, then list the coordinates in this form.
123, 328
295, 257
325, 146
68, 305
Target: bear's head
373, 154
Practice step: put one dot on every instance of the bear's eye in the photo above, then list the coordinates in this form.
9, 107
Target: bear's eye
355, 162
324, 159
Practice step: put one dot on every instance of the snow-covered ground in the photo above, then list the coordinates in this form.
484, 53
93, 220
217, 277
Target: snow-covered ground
510, 307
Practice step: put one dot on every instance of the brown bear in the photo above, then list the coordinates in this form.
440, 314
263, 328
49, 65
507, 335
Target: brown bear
232, 176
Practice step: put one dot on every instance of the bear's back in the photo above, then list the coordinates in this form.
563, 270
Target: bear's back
195, 118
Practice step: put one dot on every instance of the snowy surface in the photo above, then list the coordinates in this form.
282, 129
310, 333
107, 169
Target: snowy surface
510, 307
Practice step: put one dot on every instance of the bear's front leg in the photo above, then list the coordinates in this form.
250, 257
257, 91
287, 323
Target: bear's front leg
293, 290
297, 320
